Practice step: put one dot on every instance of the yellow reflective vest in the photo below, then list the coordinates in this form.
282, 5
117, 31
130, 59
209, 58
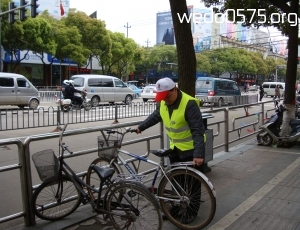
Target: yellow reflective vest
177, 127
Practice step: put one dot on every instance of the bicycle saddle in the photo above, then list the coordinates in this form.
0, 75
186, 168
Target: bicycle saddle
103, 173
161, 152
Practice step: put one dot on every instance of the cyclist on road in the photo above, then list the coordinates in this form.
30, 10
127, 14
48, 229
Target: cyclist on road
69, 92
182, 119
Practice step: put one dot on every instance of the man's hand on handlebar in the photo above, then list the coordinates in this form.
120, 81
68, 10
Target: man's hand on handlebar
198, 161
138, 131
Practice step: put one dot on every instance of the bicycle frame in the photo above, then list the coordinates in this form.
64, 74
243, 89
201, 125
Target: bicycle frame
159, 168
79, 183
179, 166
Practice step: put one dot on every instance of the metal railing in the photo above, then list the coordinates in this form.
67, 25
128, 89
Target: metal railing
50, 95
22, 166
24, 150
11, 119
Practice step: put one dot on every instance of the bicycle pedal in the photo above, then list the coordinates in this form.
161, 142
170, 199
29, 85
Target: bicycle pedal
85, 200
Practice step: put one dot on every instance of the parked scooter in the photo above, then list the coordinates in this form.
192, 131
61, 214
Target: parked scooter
67, 105
269, 133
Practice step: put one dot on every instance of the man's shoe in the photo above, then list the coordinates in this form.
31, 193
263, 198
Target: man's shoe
152, 189
187, 219
174, 211
164, 217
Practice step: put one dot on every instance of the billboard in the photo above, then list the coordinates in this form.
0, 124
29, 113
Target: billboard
201, 30
164, 29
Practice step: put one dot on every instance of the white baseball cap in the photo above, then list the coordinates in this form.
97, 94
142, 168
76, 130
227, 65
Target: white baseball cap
162, 88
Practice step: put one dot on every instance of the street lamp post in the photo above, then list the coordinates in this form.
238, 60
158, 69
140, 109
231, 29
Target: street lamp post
277, 68
127, 27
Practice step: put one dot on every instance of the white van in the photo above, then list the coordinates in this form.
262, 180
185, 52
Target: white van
15, 89
269, 88
102, 88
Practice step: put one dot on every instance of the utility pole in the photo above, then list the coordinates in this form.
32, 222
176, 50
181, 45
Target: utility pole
147, 42
127, 27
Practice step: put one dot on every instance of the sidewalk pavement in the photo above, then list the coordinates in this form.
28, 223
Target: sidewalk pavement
257, 187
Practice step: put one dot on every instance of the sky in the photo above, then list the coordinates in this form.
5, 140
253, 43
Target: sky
139, 14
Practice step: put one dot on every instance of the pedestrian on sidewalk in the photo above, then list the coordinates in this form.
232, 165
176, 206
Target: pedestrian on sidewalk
261, 92
277, 92
182, 118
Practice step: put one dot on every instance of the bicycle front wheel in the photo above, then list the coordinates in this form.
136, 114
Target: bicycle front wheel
56, 200
93, 179
132, 206
195, 207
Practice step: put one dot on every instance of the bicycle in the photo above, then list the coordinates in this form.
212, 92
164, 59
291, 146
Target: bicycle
186, 196
128, 204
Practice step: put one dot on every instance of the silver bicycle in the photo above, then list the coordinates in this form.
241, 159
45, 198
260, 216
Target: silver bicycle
128, 204
186, 196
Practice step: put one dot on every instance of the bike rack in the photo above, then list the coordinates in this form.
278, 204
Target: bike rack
25, 179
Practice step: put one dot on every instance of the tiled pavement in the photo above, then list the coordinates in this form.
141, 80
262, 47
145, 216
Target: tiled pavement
257, 188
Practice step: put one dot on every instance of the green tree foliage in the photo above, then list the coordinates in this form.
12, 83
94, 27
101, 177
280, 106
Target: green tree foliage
38, 35
270, 7
122, 57
288, 27
202, 63
160, 56
94, 35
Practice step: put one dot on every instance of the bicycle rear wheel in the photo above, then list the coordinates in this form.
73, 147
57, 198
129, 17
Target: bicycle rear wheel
93, 179
197, 206
56, 200
132, 206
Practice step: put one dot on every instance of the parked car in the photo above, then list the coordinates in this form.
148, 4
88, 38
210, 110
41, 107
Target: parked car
254, 88
216, 91
102, 88
15, 89
136, 90
148, 93
269, 88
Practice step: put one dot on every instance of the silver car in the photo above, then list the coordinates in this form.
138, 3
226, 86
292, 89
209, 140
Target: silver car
148, 93
102, 88
15, 89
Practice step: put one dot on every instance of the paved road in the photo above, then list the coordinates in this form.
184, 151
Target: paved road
257, 188
76, 143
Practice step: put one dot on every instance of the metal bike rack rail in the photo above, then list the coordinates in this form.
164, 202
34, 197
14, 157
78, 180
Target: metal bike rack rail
24, 165
28, 141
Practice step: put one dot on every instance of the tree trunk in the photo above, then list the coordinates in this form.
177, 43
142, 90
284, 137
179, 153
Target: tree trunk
185, 48
291, 72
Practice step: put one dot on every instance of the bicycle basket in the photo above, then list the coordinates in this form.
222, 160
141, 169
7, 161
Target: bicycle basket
108, 148
46, 164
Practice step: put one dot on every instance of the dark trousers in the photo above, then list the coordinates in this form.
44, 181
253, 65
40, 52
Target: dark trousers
261, 96
76, 99
189, 185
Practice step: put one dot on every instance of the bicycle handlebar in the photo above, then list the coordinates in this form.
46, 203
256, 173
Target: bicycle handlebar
121, 133
63, 145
